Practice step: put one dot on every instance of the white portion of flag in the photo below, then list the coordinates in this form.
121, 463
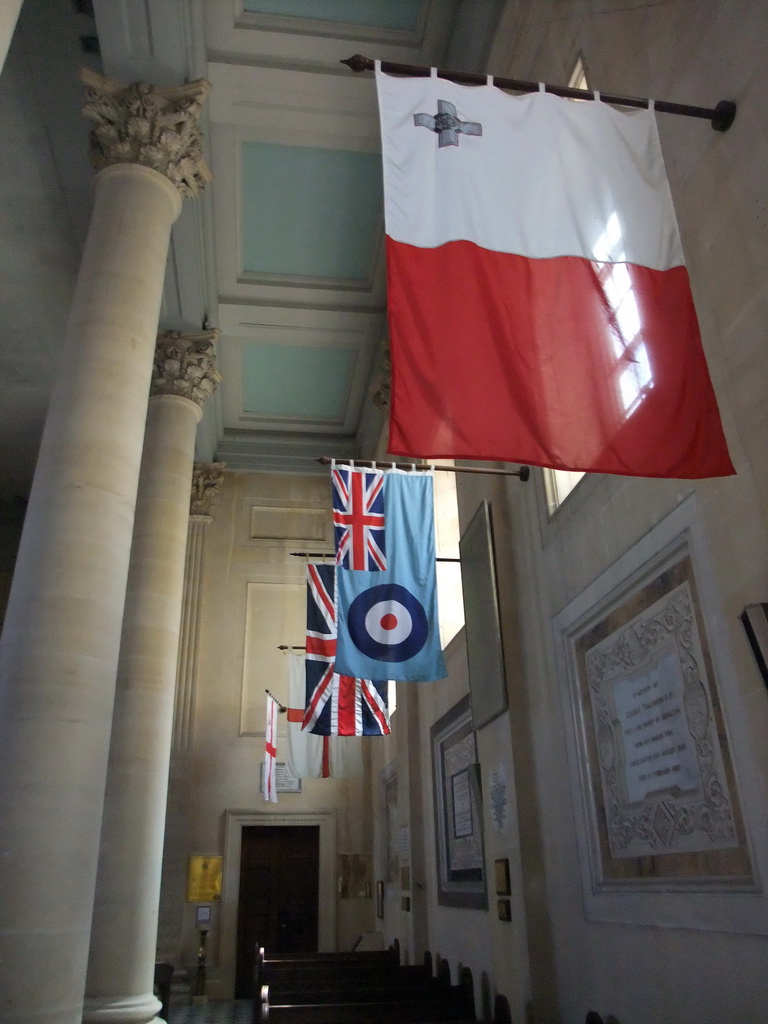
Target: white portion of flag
346, 756
512, 189
305, 750
270, 752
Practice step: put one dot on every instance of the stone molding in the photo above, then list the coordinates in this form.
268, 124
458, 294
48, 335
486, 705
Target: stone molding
152, 126
185, 364
207, 478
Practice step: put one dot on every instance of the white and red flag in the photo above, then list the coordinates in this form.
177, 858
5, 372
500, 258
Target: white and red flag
269, 791
540, 309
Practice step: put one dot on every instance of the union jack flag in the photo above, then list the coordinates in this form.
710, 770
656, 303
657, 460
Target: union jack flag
336, 705
358, 518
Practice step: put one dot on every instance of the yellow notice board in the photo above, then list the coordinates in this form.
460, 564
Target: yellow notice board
204, 879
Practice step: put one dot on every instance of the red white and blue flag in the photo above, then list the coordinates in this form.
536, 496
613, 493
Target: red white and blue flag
358, 518
336, 705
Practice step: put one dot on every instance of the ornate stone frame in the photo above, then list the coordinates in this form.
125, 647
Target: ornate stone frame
642, 623
654, 727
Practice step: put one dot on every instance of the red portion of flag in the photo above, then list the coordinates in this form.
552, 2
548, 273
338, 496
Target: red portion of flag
562, 362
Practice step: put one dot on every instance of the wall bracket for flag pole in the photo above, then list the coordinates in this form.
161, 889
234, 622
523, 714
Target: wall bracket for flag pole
720, 117
524, 472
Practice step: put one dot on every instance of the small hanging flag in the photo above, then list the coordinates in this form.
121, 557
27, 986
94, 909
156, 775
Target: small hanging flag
269, 790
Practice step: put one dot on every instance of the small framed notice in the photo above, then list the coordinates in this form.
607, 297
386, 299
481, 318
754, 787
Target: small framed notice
285, 780
204, 879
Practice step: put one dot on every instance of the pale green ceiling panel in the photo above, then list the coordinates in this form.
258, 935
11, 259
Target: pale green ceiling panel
398, 14
306, 382
310, 212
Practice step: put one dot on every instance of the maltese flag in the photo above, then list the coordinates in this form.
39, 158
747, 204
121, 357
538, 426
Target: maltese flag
539, 304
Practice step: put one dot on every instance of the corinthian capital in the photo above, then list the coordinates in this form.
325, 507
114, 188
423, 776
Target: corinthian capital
207, 478
185, 364
381, 386
155, 127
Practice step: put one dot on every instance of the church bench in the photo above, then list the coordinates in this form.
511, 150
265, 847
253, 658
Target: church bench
318, 966
354, 991
351, 974
358, 988
389, 1011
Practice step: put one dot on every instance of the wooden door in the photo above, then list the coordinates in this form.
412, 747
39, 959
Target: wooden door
278, 906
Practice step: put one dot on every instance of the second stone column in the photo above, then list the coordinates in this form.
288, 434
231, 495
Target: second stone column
124, 930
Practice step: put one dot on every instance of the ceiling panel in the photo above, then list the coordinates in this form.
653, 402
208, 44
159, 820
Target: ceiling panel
295, 369
310, 212
323, 32
298, 193
399, 14
296, 382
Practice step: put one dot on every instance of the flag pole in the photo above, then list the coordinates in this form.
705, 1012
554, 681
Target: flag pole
720, 117
281, 708
328, 554
524, 472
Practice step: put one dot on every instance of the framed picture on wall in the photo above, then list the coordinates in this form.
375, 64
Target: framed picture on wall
487, 681
458, 810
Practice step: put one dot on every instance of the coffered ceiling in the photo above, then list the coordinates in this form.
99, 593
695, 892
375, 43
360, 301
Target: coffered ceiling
283, 253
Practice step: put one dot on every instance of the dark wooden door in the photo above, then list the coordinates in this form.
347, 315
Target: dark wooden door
278, 907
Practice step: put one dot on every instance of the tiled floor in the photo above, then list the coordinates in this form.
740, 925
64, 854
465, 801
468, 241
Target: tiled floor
239, 1012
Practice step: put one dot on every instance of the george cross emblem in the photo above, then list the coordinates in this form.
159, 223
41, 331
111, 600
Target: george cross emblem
446, 124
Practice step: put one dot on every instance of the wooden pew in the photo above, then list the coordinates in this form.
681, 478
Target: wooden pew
359, 988
404, 1010
346, 975
311, 967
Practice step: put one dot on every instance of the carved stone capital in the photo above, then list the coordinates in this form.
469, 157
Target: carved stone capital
381, 386
155, 127
207, 478
185, 364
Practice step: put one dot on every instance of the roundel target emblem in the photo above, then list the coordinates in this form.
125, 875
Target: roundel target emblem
387, 623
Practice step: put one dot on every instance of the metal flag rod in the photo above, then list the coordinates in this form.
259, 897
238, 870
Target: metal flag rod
281, 707
720, 117
324, 554
524, 472
291, 647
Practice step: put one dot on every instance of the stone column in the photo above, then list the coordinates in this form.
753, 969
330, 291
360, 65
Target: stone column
60, 644
125, 913
206, 481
